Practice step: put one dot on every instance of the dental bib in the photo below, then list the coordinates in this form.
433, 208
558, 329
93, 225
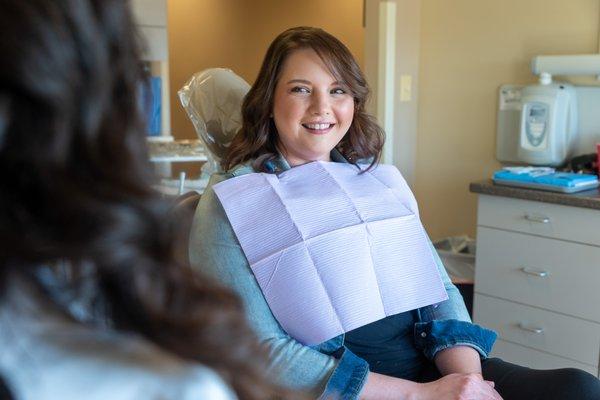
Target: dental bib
332, 249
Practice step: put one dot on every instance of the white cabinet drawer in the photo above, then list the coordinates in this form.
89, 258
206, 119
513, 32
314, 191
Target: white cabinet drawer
544, 219
507, 265
558, 334
535, 359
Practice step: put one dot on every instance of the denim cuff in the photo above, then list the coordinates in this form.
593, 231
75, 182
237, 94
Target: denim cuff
434, 336
347, 379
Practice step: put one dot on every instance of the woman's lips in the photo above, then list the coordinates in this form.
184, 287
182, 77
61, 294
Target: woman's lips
318, 129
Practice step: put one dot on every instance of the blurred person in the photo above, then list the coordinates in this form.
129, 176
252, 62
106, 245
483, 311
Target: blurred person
93, 304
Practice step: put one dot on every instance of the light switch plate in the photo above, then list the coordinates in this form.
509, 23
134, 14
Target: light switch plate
405, 87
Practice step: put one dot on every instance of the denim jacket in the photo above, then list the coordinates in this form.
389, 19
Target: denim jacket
328, 370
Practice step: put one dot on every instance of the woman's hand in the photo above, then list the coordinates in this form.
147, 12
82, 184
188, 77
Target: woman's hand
461, 386
470, 386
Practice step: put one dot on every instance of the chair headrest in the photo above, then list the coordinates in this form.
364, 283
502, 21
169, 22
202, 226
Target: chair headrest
213, 101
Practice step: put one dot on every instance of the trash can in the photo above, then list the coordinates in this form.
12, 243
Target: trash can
458, 256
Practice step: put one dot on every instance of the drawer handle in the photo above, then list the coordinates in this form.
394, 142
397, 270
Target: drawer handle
531, 329
534, 272
538, 219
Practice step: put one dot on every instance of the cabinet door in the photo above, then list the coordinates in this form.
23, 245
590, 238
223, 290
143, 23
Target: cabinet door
150, 12
156, 43
551, 274
151, 19
553, 333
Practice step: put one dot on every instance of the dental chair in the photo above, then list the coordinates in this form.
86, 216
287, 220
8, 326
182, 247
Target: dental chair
182, 215
212, 100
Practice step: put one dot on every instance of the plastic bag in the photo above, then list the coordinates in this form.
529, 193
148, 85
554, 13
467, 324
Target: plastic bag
458, 256
213, 101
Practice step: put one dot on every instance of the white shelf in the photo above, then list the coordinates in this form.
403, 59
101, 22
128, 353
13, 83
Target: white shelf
579, 64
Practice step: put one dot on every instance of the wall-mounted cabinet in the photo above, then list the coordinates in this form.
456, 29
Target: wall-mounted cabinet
151, 18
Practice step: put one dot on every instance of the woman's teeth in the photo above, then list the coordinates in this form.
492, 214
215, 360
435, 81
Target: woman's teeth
317, 126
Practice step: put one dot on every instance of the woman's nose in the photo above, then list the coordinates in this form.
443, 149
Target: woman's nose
320, 104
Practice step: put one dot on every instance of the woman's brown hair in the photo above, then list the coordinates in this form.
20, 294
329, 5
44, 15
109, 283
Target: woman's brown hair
257, 139
75, 185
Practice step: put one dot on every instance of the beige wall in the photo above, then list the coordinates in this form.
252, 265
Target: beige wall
236, 34
468, 49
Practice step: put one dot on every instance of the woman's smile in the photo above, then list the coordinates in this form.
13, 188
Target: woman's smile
318, 128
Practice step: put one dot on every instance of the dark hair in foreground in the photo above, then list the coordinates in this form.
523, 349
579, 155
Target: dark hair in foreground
257, 139
75, 183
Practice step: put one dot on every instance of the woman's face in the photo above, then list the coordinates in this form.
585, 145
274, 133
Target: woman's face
311, 109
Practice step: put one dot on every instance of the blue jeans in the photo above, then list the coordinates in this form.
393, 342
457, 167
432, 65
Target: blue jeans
388, 346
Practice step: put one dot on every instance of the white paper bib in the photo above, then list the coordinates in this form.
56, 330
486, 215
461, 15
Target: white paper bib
332, 249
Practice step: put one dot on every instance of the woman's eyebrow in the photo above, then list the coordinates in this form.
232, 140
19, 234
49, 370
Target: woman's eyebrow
299, 81
304, 81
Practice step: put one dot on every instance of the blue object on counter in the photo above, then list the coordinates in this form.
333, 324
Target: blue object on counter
566, 182
151, 98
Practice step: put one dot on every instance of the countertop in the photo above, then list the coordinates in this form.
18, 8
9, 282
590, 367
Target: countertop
176, 151
585, 199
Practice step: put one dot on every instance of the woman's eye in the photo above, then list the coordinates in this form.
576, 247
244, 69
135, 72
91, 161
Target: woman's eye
300, 89
338, 91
